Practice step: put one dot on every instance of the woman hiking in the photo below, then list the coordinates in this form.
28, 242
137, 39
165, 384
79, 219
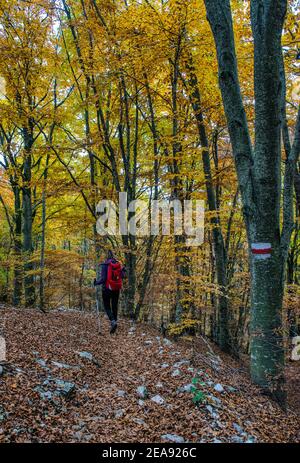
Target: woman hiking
112, 274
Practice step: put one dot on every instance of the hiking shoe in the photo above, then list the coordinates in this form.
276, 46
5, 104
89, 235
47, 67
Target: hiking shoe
114, 326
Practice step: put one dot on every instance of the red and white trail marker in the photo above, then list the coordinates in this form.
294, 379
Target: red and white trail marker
261, 251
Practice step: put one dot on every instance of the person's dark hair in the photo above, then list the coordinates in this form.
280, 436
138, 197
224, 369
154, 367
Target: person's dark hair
110, 254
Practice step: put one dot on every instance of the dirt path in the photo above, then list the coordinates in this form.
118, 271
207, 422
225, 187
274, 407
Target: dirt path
90, 393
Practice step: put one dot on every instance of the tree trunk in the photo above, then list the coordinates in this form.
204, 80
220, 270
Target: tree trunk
259, 175
129, 292
27, 220
266, 345
17, 294
222, 335
43, 237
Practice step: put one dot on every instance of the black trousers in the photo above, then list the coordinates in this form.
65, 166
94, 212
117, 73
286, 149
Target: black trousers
110, 301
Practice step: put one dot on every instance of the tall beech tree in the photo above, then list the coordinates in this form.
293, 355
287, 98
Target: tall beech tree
259, 175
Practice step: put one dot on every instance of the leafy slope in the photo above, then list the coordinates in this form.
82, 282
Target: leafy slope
105, 406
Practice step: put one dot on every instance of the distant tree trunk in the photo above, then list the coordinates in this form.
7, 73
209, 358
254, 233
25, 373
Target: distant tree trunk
292, 262
150, 259
220, 254
42, 259
127, 133
146, 276
130, 262
17, 294
43, 238
28, 217
182, 264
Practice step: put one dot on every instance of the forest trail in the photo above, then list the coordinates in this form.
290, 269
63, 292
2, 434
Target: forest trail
65, 383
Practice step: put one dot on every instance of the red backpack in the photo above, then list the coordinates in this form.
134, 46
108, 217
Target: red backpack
114, 276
